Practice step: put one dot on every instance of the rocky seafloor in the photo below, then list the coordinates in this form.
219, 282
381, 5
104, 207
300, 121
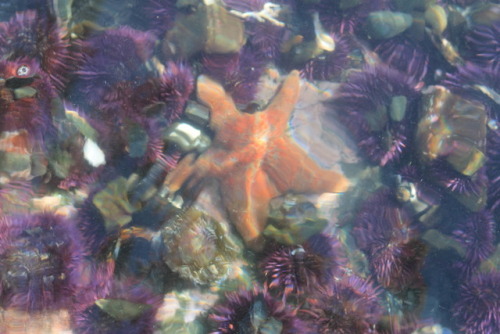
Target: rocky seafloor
243, 166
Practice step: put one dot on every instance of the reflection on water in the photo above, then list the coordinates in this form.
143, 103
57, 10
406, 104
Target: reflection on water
243, 166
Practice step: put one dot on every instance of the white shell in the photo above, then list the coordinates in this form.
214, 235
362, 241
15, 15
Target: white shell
93, 153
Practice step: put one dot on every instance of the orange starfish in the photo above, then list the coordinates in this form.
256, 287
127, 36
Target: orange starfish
253, 158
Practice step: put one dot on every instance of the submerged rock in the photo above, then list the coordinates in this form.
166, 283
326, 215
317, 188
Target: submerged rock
293, 219
203, 26
454, 128
387, 24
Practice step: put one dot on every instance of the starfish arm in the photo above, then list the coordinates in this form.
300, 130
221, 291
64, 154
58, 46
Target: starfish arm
190, 172
282, 105
213, 95
290, 169
220, 161
176, 178
246, 195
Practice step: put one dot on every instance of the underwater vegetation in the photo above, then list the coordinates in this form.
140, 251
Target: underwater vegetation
250, 166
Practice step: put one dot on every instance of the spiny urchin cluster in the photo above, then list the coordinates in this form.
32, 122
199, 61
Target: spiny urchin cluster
384, 231
41, 257
377, 105
477, 235
438, 163
295, 270
350, 305
478, 306
30, 34
254, 311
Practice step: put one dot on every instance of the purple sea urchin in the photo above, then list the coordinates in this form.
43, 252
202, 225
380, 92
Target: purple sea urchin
493, 171
478, 82
444, 175
120, 90
29, 35
483, 43
477, 309
376, 105
147, 110
90, 221
301, 269
384, 231
252, 312
113, 65
174, 87
348, 306
41, 257
329, 65
161, 14
405, 56
476, 234
469, 74
239, 72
